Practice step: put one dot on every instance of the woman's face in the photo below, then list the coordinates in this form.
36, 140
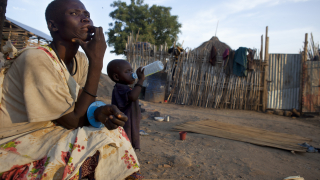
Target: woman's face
73, 21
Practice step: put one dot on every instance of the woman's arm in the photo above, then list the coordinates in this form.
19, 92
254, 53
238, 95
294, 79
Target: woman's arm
94, 50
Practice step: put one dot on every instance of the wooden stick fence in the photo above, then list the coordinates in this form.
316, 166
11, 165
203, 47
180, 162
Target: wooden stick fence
194, 81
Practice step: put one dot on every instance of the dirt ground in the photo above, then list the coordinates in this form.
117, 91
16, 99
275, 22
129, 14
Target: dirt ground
208, 157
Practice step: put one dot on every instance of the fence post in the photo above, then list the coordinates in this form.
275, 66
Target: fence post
265, 84
302, 72
3, 8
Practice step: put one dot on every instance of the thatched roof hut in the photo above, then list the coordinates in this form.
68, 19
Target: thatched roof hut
214, 41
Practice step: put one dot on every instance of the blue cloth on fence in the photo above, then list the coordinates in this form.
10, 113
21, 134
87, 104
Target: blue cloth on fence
240, 62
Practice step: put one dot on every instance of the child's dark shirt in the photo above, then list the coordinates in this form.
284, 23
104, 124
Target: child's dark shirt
131, 110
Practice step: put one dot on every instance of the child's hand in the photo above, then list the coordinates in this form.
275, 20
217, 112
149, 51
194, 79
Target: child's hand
140, 73
110, 116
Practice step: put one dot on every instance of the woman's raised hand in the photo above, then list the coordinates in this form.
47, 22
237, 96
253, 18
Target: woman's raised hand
110, 116
94, 48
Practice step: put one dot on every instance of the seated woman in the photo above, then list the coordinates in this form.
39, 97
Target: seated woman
44, 129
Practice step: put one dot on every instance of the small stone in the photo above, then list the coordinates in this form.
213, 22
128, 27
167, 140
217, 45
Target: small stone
149, 162
166, 166
142, 110
160, 166
293, 152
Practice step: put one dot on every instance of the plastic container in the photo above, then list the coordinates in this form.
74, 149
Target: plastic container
159, 118
150, 69
167, 118
183, 135
155, 90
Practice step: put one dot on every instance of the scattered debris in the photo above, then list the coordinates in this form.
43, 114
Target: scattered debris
156, 114
294, 178
296, 113
159, 118
183, 135
310, 149
143, 133
279, 112
269, 112
288, 113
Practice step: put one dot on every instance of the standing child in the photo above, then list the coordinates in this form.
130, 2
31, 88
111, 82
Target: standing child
126, 98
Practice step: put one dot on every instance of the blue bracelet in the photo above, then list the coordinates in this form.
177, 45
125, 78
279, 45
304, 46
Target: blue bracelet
90, 114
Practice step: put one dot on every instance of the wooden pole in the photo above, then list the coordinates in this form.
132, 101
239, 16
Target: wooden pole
261, 50
3, 7
265, 84
302, 72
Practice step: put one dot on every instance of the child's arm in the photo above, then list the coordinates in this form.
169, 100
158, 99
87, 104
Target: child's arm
134, 94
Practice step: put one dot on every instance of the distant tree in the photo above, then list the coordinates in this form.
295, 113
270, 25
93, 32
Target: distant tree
155, 24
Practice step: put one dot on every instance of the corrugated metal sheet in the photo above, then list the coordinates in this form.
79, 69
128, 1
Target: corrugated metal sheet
284, 81
311, 92
30, 29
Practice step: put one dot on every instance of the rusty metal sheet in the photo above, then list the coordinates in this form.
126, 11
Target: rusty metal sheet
311, 87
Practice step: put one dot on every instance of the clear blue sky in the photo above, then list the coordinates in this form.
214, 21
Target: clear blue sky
241, 22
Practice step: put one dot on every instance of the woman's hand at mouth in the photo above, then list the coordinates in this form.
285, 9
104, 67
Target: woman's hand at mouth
94, 48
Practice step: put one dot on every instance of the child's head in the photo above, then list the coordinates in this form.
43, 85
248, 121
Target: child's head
120, 71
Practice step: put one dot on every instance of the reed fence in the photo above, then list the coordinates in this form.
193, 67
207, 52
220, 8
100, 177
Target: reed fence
196, 82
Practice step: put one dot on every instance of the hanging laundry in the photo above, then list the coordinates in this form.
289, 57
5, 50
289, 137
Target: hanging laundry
228, 69
225, 58
225, 54
213, 56
240, 62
